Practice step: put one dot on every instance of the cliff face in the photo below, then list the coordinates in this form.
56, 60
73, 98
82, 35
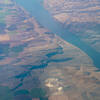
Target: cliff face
82, 17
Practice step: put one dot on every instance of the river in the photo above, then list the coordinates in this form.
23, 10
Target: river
36, 9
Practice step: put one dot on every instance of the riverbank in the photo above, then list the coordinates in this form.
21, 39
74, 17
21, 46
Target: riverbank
58, 29
36, 64
81, 20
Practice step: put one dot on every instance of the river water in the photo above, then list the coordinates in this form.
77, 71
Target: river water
36, 9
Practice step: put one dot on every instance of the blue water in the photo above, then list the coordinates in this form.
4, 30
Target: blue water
36, 9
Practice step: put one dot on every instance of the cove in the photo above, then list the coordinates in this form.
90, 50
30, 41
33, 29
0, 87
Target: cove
36, 9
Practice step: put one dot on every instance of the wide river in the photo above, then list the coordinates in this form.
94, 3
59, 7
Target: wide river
36, 9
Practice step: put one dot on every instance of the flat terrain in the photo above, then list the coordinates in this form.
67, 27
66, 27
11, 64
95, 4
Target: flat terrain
35, 64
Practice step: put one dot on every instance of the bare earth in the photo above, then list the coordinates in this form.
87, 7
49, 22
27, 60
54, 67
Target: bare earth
82, 17
30, 58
